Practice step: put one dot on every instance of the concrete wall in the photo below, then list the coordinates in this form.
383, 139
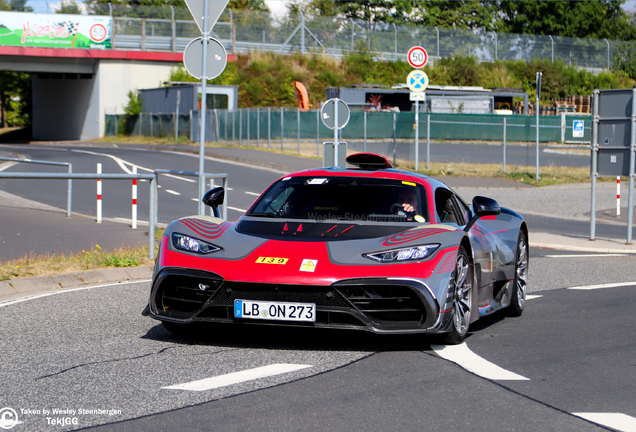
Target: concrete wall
117, 77
63, 107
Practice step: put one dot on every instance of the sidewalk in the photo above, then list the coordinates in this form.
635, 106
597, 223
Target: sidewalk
566, 202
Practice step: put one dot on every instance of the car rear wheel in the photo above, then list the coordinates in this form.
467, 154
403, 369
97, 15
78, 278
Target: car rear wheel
462, 290
518, 300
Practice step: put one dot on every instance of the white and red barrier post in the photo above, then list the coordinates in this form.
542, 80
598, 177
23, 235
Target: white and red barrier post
618, 196
99, 194
134, 199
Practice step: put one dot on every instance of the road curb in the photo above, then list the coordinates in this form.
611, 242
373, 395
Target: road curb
30, 285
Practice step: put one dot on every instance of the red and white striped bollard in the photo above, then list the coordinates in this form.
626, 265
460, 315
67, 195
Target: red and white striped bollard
99, 194
134, 199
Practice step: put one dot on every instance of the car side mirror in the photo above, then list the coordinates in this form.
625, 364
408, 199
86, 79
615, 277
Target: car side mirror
214, 198
483, 206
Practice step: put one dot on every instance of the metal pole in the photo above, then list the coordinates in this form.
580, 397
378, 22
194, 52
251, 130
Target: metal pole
269, 127
417, 134
365, 131
437, 30
226, 115
595, 121
176, 121
428, 141
495, 33
395, 37
504, 144
99, 194
563, 128
630, 196
233, 126
258, 127
317, 133
247, 112
281, 129
240, 127
335, 131
152, 217
204, 90
539, 75
302, 33
134, 200
552, 42
394, 135
69, 192
608, 54
298, 129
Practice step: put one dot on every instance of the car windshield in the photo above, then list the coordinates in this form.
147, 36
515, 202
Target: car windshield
343, 198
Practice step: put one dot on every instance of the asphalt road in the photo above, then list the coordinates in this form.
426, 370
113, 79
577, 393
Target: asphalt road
92, 350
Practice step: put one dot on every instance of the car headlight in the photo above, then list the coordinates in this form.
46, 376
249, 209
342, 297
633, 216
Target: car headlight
405, 254
191, 244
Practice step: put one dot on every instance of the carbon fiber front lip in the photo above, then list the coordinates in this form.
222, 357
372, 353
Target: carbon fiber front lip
367, 323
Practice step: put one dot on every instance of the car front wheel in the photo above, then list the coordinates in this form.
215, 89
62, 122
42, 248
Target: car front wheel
462, 290
518, 299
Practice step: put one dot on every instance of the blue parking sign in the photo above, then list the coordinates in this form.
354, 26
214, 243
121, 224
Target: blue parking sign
578, 128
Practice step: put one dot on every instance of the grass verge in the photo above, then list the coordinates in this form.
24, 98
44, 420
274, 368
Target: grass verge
58, 263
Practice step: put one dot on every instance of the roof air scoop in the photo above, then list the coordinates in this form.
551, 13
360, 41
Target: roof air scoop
368, 161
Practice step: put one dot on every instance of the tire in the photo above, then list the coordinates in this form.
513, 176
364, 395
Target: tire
518, 299
462, 287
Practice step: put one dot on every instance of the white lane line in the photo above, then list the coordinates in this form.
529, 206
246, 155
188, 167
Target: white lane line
586, 255
532, 296
252, 193
238, 377
236, 209
194, 199
170, 191
56, 292
7, 165
180, 178
230, 162
464, 357
618, 421
121, 162
601, 286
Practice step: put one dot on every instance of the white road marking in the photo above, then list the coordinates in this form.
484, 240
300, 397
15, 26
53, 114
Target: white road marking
194, 199
7, 165
238, 377
618, 421
170, 191
532, 296
56, 292
252, 193
601, 286
586, 255
236, 209
225, 161
121, 162
464, 357
180, 178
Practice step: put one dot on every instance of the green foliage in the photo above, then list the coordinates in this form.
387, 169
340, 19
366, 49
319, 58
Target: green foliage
16, 86
134, 106
69, 7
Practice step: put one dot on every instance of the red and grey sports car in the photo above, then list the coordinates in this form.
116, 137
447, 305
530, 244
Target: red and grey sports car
368, 247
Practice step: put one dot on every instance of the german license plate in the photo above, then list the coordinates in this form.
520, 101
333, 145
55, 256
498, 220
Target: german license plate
278, 311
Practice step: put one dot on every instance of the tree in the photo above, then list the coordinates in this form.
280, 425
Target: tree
69, 7
134, 105
14, 84
20, 6
464, 14
598, 19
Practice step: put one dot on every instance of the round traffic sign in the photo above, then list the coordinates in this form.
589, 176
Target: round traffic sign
417, 57
328, 114
417, 81
98, 33
193, 58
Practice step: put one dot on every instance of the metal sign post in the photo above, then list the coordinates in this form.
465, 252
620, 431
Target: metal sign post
417, 81
205, 16
539, 75
335, 115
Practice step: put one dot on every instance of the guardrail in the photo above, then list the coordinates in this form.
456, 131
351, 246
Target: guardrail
90, 176
205, 177
69, 189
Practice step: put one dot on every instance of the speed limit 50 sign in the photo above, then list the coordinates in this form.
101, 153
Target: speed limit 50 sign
417, 57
